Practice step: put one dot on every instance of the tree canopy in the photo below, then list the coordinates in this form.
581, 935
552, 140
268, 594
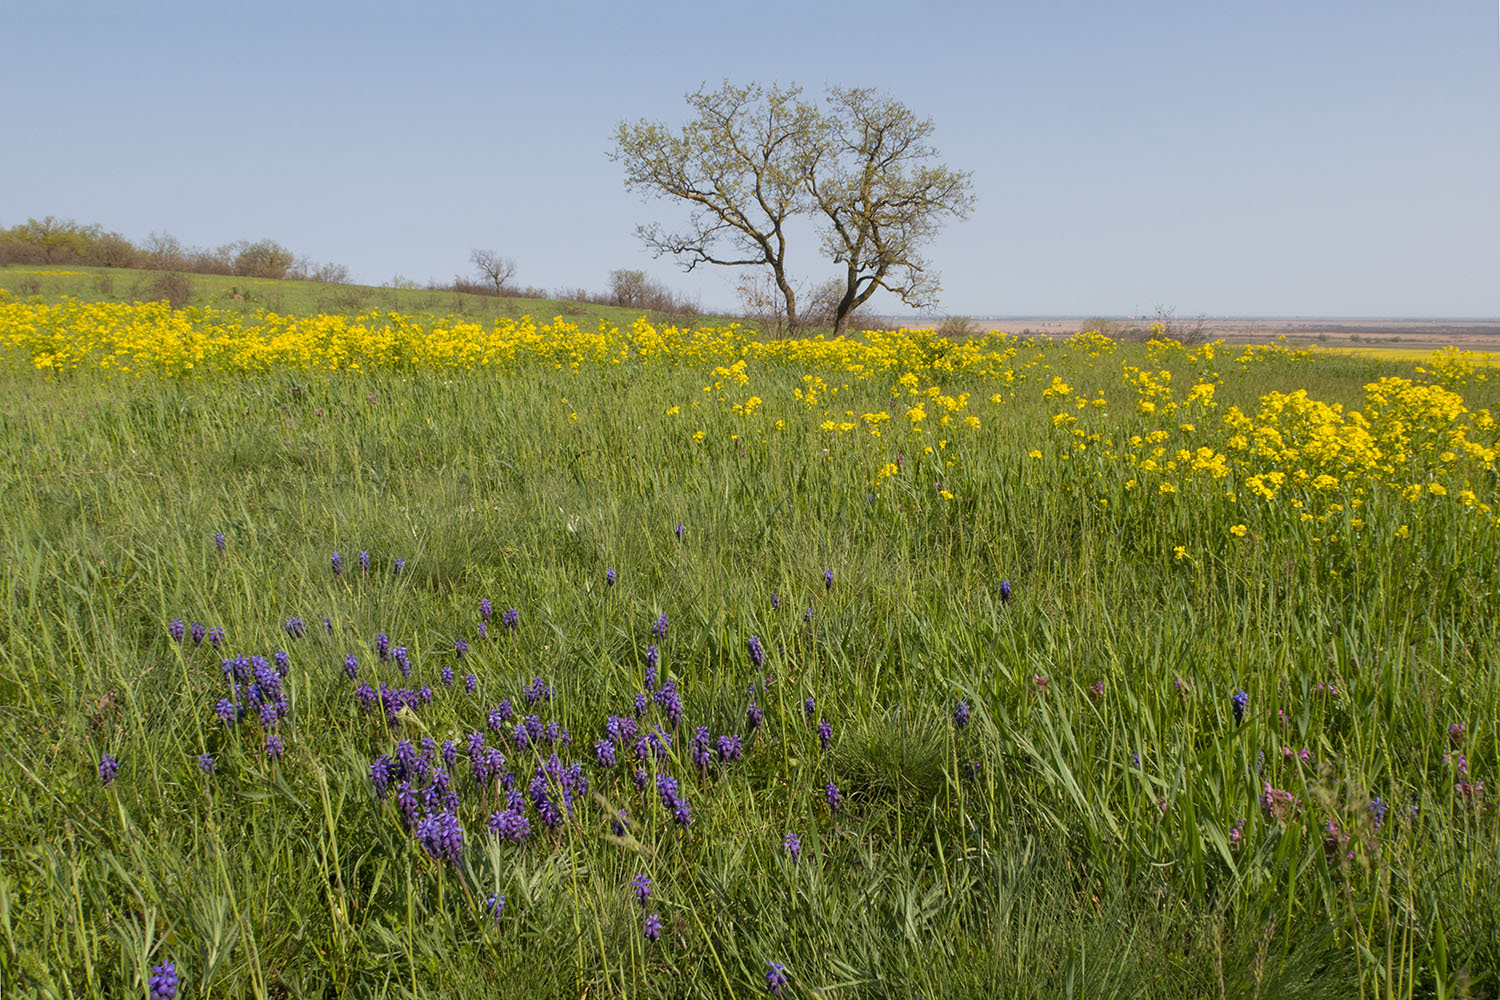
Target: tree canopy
753, 159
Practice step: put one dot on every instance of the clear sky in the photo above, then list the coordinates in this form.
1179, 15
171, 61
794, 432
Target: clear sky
1309, 157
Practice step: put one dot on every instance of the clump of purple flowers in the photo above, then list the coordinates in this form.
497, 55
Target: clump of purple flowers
470, 683
672, 800
338, 564
809, 706
1238, 702
679, 530
216, 637
828, 579
825, 734
651, 927
295, 627
486, 609
540, 690
609, 577
792, 844
164, 982
364, 562
460, 647
757, 652
961, 714
834, 797
659, 628
730, 748
275, 748
511, 619
199, 630
642, 886
400, 566
176, 629
403, 663
207, 764
108, 768
220, 542
383, 646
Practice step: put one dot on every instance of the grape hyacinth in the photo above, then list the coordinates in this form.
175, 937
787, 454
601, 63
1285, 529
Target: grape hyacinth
828, 579
809, 706
511, 619
403, 662
1004, 591
447, 675
108, 768
961, 714
642, 886
679, 530
807, 615
792, 844
486, 609
1238, 702
609, 577
471, 683
338, 564
207, 764
460, 647
364, 562
825, 734
351, 666
176, 629
776, 978
400, 566
198, 631
383, 646
757, 652
495, 905
216, 637
328, 625
220, 542
163, 982
651, 927
275, 748
442, 837
659, 628
775, 603
730, 748
834, 797
295, 627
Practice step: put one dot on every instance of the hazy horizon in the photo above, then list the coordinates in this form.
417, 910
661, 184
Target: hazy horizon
1275, 160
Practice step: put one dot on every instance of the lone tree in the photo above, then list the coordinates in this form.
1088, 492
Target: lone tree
493, 268
754, 159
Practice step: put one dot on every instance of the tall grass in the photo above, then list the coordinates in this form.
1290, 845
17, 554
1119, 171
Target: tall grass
1068, 841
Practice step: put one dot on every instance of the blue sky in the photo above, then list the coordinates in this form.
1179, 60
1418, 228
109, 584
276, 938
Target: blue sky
1228, 158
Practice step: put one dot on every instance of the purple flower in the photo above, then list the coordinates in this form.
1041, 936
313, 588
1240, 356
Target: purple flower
351, 666
447, 674
775, 603
1456, 734
470, 683
365, 694
792, 844
275, 748
642, 886
511, 619
828, 579
220, 542
776, 978
540, 690
199, 630
621, 823
679, 530
460, 647
403, 662
1004, 591
651, 927
442, 837
283, 662
809, 706
1238, 701
400, 566
163, 982
216, 637
495, 905
295, 627
754, 715
961, 714
486, 609
338, 565
364, 562
609, 577
1377, 813
510, 824
176, 629
807, 615
659, 629
757, 653
730, 748
108, 768
825, 734
604, 753
640, 704
383, 646
835, 799
328, 625
206, 763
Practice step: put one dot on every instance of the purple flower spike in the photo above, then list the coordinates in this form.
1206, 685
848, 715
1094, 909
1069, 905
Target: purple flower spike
659, 628
207, 764
834, 797
447, 675
792, 844
828, 579
511, 619
275, 748
1004, 591
338, 564
351, 666
216, 637
825, 734
486, 609
163, 982
651, 927
295, 627
220, 542
642, 886
460, 647
809, 706
442, 837
108, 768
470, 683
400, 566
776, 978
679, 530
775, 603
807, 615
961, 714
364, 562
757, 652
176, 629
1239, 700
609, 577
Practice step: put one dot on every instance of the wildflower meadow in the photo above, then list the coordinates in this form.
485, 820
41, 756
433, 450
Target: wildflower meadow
374, 654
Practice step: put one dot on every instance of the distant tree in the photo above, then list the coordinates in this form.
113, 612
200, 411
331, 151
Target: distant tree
754, 159
493, 268
262, 259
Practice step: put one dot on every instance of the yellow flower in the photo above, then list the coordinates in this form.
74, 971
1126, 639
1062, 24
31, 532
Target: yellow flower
945, 495
698, 436
673, 411
1403, 532
1179, 552
1238, 530
1034, 454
